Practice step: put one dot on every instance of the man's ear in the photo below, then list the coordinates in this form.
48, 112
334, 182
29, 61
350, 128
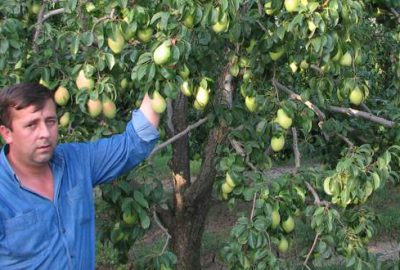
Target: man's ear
6, 133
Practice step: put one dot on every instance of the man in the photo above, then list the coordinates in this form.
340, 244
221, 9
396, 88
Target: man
47, 218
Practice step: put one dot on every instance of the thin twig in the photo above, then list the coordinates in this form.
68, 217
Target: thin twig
362, 114
262, 26
296, 149
396, 14
179, 135
316, 68
346, 140
317, 200
253, 207
53, 13
108, 17
164, 230
311, 250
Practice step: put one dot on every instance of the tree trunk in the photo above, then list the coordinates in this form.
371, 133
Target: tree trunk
186, 220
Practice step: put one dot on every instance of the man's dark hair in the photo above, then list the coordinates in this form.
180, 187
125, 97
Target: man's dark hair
20, 96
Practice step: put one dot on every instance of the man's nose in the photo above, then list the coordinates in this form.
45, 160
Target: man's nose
44, 130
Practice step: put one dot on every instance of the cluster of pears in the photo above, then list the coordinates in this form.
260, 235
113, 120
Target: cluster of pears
61, 97
285, 121
95, 106
288, 226
228, 186
106, 106
201, 93
117, 40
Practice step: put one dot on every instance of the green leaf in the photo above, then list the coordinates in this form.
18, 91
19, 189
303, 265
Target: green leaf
110, 60
138, 196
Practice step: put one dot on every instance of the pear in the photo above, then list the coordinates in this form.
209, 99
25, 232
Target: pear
276, 219
277, 143
116, 44
291, 5
288, 225
186, 89
94, 107
158, 103
226, 188
346, 60
162, 53
144, 35
283, 119
283, 245
109, 109
221, 25
202, 96
61, 96
64, 119
251, 103
356, 96
83, 82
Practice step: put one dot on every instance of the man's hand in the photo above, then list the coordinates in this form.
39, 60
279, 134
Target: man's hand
147, 110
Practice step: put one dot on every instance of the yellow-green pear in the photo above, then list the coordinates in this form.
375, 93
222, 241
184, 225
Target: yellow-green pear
283, 119
158, 103
64, 119
251, 103
275, 55
221, 25
277, 143
288, 224
82, 82
291, 5
356, 96
162, 53
61, 96
109, 109
202, 96
186, 89
94, 107
188, 21
283, 245
144, 35
229, 180
226, 188
346, 60
276, 219
293, 66
116, 43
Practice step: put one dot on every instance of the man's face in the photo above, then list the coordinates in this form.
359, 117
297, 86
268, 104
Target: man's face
33, 134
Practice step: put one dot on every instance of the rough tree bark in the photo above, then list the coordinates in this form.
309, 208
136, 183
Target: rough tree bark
186, 220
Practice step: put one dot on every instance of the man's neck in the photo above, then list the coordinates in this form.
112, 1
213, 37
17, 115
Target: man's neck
36, 178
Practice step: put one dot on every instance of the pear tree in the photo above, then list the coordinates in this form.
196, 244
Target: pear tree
241, 86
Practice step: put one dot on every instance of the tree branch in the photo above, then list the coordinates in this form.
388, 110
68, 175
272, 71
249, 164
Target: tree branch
292, 95
317, 200
53, 13
179, 135
361, 114
38, 28
346, 140
164, 230
108, 17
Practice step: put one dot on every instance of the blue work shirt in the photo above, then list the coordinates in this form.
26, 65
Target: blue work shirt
37, 233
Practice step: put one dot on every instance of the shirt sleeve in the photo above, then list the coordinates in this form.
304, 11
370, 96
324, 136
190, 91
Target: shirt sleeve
107, 158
